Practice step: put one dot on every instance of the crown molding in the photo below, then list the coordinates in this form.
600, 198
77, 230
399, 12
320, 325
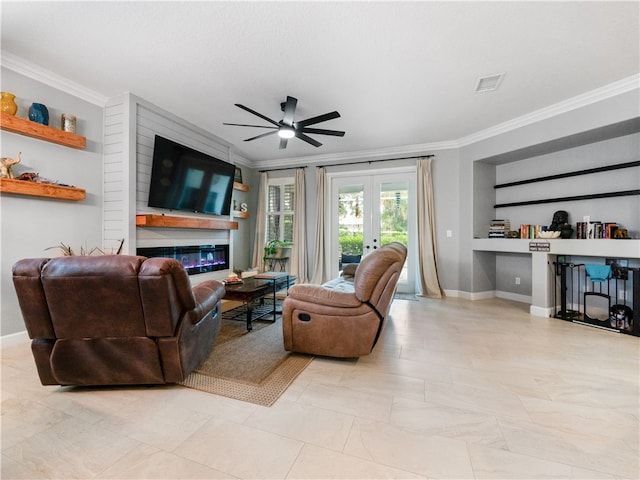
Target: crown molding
360, 155
611, 90
31, 70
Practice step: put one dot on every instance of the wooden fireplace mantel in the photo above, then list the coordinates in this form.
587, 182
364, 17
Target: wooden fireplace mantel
171, 221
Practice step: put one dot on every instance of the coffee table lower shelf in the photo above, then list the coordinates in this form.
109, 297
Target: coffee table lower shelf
253, 290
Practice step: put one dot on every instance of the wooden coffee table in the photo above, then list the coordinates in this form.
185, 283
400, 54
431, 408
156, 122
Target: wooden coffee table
256, 288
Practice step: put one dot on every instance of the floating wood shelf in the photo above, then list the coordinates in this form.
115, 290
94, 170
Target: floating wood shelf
240, 186
23, 187
238, 214
14, 124
170, 221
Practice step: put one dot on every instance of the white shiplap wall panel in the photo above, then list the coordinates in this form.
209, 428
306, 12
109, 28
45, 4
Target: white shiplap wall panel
152, 122
114, 172
131, 125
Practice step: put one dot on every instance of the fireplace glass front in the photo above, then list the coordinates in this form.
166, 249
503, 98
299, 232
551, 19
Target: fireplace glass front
195, 258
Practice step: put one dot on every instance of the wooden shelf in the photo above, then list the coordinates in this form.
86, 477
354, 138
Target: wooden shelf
170, 221
23, 187
240, 186
238, 214
14, 124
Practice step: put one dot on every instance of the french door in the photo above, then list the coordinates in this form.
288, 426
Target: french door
370, 210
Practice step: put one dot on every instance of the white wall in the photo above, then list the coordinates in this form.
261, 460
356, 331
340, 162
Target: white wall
32, 224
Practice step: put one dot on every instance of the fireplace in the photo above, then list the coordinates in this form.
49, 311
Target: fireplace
195, 258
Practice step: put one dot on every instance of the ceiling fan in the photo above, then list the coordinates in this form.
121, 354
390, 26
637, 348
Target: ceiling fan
288, 128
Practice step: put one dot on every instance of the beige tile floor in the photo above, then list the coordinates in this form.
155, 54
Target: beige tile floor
455, 389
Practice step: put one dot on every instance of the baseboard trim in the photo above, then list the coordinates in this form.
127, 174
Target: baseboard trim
478, 295
516, 297
540, 311
14, 339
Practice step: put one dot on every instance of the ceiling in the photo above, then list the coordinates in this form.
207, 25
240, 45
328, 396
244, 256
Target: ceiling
400, 73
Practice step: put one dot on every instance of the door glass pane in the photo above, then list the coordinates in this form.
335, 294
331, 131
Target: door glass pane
393, 213
394, 216
350, 222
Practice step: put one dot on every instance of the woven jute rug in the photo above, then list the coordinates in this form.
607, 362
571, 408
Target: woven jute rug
249, 366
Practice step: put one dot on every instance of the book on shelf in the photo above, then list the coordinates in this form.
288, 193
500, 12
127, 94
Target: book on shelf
529, 231
499, 228
595, 230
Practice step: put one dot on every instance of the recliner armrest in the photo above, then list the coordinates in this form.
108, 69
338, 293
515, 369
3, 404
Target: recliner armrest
207, 295
323, 296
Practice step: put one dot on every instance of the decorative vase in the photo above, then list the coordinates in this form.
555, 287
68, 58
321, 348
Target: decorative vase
8, 102
68, 122
38, 113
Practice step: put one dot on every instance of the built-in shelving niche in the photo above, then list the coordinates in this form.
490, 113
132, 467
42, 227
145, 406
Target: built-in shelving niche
25, 127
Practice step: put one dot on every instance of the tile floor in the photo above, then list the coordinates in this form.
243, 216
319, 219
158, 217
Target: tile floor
454, 389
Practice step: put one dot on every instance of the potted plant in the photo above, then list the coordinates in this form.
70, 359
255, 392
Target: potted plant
275, 248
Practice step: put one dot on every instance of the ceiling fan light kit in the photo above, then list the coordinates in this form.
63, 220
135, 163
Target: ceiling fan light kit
288, 128
286, 132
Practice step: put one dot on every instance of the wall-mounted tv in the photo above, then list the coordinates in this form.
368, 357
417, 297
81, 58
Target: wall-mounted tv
184, 179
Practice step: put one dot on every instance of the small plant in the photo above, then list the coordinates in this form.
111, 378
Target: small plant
67, 251
271, 248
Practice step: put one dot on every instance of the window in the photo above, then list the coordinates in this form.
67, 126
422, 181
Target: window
280, 212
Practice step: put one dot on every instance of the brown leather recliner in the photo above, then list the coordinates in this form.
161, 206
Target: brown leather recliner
342, 320
116, 319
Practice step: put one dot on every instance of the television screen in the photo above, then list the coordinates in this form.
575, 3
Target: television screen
185, 179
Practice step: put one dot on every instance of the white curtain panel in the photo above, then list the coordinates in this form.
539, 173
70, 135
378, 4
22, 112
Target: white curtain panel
299, 251
261, 222
427, 265
320, 266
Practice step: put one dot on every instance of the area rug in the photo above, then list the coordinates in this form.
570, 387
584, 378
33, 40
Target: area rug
249, 366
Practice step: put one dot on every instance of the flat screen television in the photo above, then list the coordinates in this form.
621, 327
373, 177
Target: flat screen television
184, 179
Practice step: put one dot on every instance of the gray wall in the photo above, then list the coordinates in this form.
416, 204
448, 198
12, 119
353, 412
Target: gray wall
462, 189
445, 173
32, 224
486, 162
624, 210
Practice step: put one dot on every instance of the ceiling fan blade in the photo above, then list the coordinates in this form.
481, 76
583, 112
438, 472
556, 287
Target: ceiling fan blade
307, 139
245, 125
262, 135
322, 131
289, 111
318, 119
283, 143
257, 114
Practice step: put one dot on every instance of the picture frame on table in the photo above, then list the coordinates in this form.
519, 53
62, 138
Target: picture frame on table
238, 175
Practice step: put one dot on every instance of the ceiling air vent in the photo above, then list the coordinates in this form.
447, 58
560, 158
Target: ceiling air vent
489, 83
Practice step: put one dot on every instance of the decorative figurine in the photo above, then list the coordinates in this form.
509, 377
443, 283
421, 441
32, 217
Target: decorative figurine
5, 166
561, 223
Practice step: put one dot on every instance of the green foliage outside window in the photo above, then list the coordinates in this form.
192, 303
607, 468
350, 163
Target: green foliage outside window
352, 244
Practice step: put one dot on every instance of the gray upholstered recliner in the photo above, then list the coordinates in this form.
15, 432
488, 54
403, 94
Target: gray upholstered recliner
346, 320
116, 319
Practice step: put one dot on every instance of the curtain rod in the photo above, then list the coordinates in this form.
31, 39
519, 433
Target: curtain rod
278, 169
373, 161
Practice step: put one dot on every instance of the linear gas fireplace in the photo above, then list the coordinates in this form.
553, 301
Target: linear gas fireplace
195, 258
